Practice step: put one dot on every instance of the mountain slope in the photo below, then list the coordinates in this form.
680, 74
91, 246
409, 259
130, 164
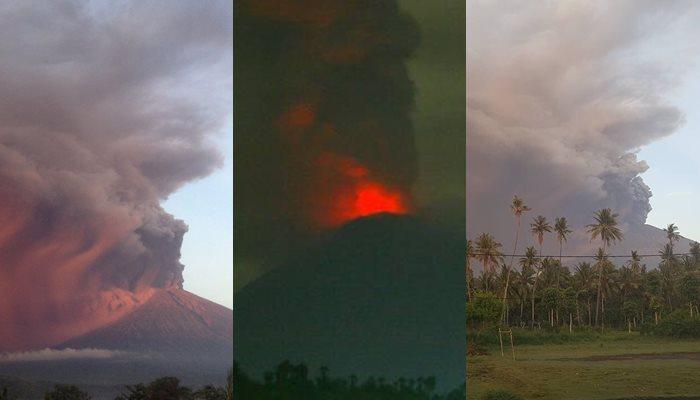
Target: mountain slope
173, 322
383, 296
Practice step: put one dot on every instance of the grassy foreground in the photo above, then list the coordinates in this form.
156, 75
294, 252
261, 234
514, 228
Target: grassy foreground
588, 369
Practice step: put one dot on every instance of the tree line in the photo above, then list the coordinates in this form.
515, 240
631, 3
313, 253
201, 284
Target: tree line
294, 382
536, 291
165, 388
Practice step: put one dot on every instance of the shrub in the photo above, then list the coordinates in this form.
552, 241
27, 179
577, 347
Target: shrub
500, 395
678, 324
66, 392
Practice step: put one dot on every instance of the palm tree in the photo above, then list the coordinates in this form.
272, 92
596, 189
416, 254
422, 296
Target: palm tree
635, 262
583, 277
538, 227
667, 270
607, 281
469, 275
672, 234
606, 228
489, 254
629, 283
562, 230
520, 288
518, 207
529, 259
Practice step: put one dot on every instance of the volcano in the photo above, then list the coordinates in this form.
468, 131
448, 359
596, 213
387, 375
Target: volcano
382, 295
173, 333
171, 322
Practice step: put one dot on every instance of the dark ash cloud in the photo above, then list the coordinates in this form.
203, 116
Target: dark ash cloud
560, 96
324, 133
106, 110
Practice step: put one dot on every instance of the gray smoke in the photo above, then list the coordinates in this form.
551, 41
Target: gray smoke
560, 96
106, 109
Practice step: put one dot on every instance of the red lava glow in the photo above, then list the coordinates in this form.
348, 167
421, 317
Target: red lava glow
372, 198
349, 191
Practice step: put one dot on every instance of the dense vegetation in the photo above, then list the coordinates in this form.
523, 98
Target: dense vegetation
292, 382
287, 382
166, 388
550, 293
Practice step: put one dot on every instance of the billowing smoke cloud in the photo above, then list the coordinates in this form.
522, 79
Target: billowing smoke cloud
560, 96
105, 110
324, 130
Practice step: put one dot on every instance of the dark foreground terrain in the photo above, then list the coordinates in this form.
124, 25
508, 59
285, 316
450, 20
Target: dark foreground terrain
175, 334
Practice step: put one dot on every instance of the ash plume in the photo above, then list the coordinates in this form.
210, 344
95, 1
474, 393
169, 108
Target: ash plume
560, 96
324, 131
106, 110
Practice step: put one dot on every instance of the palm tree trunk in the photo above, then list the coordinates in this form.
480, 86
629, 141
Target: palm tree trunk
578, 314
534, 287
522, 303
515, 248
602, 313
560, 264
532, 302
600, 285
469, 291
487, 276
588, 301
551, 317
532, 298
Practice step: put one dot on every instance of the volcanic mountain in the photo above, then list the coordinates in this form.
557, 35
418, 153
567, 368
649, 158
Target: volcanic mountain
172, 333
172, 321
382, 295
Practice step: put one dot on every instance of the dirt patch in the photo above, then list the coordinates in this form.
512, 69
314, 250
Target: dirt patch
661, 398
695, 356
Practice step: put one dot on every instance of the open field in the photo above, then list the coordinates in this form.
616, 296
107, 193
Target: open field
616, 365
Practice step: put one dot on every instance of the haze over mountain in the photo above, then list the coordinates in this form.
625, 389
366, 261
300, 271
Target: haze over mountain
560, 97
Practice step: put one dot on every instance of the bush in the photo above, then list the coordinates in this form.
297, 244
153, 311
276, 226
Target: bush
678, 324
66, 392
500, 395
544, 336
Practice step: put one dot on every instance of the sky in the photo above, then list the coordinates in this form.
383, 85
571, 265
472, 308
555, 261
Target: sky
581, 105
674, 167
207, 207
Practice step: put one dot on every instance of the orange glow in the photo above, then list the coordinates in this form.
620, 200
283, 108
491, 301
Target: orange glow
372, 198
348, 190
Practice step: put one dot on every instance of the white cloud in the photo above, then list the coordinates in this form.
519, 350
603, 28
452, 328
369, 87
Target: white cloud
64, 354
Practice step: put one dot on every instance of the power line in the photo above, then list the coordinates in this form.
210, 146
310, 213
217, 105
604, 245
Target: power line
583, 256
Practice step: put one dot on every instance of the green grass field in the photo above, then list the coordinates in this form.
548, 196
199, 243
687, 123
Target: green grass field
591, 369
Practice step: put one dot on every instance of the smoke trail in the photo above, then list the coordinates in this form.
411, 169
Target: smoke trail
104, 113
